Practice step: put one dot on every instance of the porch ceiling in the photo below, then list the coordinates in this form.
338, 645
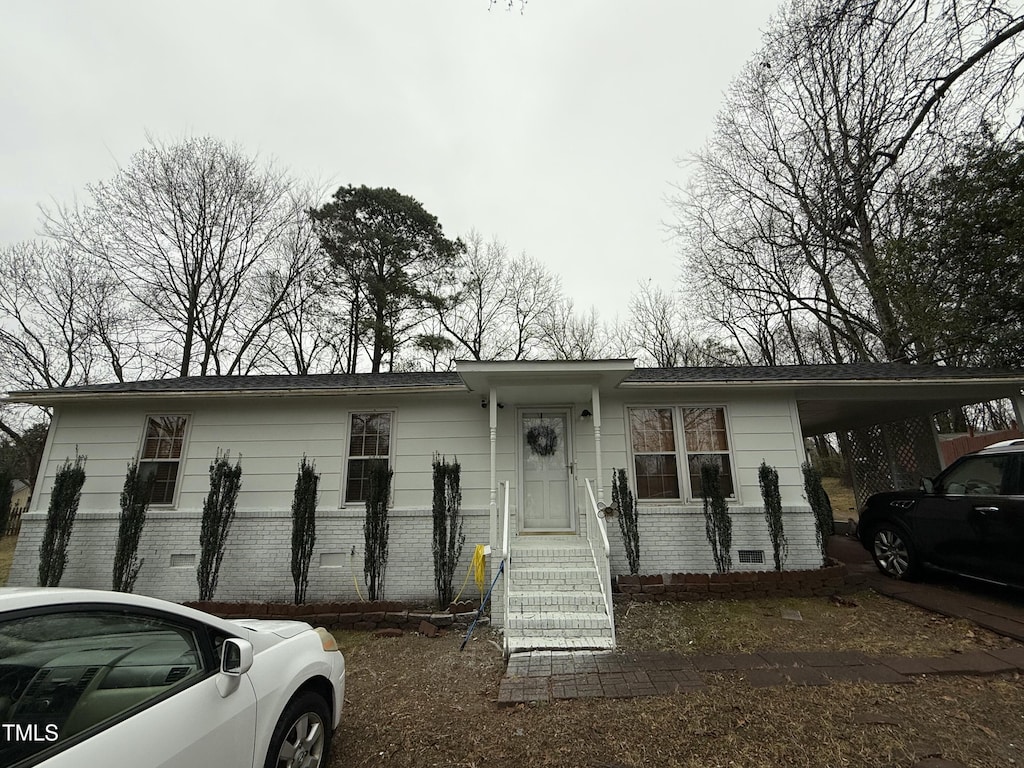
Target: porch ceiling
828, 408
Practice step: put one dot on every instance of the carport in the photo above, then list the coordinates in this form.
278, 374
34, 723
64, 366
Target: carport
882, 413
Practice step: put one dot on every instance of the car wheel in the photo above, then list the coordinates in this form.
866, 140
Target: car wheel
893, 552
302, 738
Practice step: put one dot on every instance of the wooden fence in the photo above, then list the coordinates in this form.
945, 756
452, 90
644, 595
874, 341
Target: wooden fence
956, 447
14, 521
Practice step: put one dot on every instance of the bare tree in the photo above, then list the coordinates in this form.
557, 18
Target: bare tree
196, 233
572, 335
795, 195
497, 308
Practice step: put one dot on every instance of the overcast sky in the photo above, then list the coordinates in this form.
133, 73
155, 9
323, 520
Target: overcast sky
556, 130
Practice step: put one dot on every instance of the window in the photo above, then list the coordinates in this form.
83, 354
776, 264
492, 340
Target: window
658, 453
161, 455
654, 453
70, 673
992, 475
369, 444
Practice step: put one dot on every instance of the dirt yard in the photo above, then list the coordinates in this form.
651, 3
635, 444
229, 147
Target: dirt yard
414, 701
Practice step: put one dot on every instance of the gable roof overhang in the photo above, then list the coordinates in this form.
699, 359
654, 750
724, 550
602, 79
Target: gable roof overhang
828, 397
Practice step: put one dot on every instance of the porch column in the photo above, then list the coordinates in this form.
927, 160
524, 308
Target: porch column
496, 529
595, 401
1018, 408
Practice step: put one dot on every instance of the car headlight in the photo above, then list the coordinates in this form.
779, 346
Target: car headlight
327, 639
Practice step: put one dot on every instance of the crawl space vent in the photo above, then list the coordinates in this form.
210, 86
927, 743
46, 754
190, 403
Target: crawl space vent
751, 556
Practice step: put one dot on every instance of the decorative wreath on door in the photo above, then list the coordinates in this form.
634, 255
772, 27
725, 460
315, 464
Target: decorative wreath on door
542, 439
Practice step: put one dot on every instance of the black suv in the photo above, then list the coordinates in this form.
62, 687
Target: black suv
969, 520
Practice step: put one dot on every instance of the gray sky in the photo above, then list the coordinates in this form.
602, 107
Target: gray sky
556, 130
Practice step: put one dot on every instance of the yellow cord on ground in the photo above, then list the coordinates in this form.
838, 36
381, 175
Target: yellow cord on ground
354, 581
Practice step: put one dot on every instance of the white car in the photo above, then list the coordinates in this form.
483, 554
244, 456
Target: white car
91, 678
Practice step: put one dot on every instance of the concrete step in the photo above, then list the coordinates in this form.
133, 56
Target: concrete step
544, 643
559, 602
571, 578
554, 623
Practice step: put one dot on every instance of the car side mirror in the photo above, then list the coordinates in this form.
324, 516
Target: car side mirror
235, 657
927, 485
235, 661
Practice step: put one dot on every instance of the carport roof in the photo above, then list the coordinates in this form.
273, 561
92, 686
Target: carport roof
829, 397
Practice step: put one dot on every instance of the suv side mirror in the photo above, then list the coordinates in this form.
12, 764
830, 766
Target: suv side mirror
927, 485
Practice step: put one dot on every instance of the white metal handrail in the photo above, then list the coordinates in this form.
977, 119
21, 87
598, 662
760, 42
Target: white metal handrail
603, 563
599, 517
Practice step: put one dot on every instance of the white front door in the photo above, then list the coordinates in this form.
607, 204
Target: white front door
546, 471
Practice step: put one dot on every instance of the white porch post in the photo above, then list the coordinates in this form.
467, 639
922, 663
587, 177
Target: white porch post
492, 403
595, 401
1018, 408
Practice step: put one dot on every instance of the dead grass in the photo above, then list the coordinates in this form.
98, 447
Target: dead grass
864, 622
844, 505
414, 701
7, 545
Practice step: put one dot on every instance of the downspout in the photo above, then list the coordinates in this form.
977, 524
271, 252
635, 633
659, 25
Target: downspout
595, 401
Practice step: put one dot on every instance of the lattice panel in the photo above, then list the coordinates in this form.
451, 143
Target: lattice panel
885, 457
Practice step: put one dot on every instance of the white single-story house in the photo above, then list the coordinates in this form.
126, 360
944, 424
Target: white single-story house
537, 442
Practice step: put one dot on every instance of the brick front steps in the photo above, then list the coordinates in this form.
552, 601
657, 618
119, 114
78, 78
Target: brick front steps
366, 617
690, 587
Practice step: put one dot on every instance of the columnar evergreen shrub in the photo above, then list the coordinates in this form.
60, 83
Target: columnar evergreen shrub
448, 536
60, 518
134, 502
218, 513
717, 522
622, 498
303, 526
824, 525
768, 479
376, 528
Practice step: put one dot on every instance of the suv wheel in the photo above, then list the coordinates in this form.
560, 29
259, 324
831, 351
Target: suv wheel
893, 552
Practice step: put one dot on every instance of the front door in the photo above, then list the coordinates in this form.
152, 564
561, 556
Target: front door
546, 471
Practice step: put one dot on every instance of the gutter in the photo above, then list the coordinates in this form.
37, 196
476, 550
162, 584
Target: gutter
41, 398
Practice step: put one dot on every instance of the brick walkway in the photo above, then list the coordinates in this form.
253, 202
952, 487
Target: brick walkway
550, 675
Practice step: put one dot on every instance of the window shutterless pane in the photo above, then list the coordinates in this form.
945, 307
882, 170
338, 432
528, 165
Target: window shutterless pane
705, 429
656, 476
724, 472
651, 430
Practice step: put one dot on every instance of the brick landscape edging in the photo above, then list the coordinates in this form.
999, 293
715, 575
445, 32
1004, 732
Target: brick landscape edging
367, 616
690, 587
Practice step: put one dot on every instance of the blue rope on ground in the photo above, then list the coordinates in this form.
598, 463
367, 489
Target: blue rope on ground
480, 611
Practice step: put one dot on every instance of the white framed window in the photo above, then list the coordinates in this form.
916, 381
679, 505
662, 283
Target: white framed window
666, 439
369, 443
163, 448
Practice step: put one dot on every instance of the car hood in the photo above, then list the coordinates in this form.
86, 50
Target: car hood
280, 627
